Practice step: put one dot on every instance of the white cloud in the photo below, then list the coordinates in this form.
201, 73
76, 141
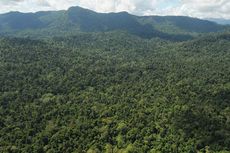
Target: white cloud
195, 8
201, 8
24, 5
132, 6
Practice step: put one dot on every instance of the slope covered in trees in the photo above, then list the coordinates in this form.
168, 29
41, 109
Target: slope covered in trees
76, 19
114, 92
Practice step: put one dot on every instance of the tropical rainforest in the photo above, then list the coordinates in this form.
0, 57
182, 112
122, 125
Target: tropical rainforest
78, 81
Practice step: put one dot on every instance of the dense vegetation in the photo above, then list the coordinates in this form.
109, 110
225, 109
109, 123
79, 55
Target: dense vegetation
76, 19
114, 92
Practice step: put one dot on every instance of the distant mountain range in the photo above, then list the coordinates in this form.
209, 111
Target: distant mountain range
77, 19
220, 21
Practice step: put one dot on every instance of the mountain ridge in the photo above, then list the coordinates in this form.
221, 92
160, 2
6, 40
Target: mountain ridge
220, 21
77, 19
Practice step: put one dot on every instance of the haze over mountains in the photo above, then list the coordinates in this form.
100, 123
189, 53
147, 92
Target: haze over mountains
77, 19
220, 21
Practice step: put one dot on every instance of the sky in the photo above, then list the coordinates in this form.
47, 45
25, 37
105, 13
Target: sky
193, 8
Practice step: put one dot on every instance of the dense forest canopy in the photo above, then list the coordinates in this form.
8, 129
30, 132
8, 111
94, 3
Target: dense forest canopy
113, 91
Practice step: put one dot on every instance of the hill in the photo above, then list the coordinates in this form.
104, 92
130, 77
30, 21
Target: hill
80, 81
220, 21
76, 20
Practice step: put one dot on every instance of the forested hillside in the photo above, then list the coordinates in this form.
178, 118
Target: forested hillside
115, 92
76, 20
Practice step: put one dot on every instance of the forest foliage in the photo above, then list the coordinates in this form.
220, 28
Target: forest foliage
114, 92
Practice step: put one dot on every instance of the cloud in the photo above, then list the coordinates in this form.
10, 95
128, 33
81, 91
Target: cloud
194, 8
132, 6
24, 5
201, 9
